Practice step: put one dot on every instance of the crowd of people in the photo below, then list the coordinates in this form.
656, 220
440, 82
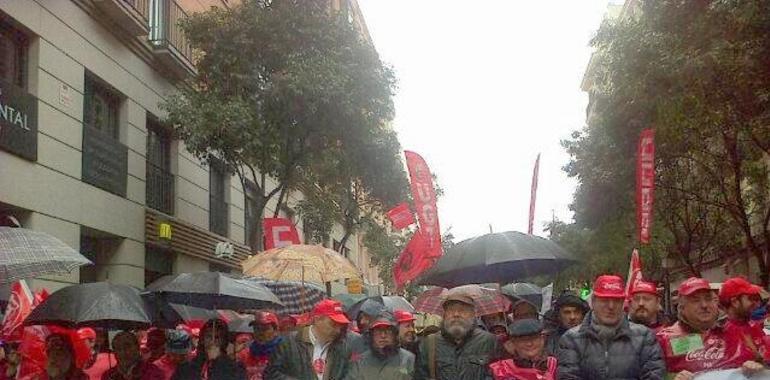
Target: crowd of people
613, 336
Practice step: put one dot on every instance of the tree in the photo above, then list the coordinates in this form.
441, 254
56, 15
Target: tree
280, 85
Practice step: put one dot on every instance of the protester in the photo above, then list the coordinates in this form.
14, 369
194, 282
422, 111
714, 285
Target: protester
493, 319
266, 339
130, 365
241, 343
645, 308
569, 310
98, 363
500, 331
60, 359
155, 345
368, 311
696, 342
178, 345
384, 359
523, 309
526, 346
10, 363
740, 299
316, 351
606, 345
407, 335
211, 362
460, 351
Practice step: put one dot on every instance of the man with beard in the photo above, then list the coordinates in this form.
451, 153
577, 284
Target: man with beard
739, 298
606, 345
645, 308
461, 351
696, 343
528, 359
569, 311
319, 351
384, 360
407, 335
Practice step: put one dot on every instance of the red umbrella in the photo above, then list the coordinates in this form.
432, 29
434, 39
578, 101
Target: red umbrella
487, 300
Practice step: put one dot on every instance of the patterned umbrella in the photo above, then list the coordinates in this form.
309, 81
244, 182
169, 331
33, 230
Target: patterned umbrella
26, 253
297, 298
305, 263
487, 301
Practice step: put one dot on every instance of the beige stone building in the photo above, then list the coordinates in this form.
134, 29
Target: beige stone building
84, 157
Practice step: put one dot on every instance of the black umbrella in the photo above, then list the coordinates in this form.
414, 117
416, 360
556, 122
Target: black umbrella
377, 304
499, 257
98, 304
211, 290
169, 315
524, 291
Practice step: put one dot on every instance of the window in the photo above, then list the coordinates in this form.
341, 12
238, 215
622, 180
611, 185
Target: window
160, 181
100, 108
157, 263
345, 250
218, 207
250, 212
89, 248
13, 55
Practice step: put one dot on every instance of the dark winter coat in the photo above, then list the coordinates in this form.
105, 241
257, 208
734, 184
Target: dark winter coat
467, 361
223, 368
371, 367
293, 359
633, 353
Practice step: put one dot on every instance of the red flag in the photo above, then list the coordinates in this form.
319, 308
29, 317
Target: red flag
279, 232
424, 196
412, 261
645, 184
634, 273
533, 195
401, 216
19, 308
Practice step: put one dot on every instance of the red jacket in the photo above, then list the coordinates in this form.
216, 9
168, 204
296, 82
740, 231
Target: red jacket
101, 364
722, 348
255, 365
508, 370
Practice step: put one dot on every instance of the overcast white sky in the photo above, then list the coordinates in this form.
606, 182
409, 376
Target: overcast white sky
485, 85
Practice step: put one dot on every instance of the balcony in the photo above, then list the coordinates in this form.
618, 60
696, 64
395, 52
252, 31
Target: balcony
167, 38
218, 219
160, 189
131, 15
105, 161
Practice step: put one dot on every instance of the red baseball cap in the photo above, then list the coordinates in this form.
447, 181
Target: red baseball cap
403, 316
609, 286
264, 318
692, 285
734, 287
332, 309
86, 333
644, 287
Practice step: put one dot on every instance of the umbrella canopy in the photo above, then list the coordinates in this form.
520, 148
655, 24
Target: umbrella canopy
297, 297
299, 262
389, 303
348, 300
26, 253
487, 301
98, 304
211, 290
524, 291
169, 315
498, 257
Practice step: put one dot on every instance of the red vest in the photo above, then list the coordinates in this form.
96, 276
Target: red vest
508, 370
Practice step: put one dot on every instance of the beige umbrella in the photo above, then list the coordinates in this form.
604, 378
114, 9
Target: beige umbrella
306, 263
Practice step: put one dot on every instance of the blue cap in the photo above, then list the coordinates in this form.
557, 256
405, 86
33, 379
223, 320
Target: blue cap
178, 342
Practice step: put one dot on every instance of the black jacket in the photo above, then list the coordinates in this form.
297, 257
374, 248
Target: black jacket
222, 368
292, 359
370, 367
633, 353
467, 361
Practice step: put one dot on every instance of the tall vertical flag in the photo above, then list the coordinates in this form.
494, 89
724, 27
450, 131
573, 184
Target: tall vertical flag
645, 184
533, 195
424, 248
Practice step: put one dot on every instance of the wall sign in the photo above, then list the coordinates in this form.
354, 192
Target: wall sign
18, 121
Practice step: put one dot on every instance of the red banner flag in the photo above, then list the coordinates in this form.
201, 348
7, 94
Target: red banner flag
645, 184
424, 195
412, 261
533, 195
18, 309
401, 216
279, 232
634, 273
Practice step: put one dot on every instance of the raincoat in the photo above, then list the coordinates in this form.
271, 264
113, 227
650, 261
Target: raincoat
509, 369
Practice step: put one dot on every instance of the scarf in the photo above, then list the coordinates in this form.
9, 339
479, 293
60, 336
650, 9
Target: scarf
256, 349
606, 333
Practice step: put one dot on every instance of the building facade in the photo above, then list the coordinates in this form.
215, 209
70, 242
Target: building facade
85, 157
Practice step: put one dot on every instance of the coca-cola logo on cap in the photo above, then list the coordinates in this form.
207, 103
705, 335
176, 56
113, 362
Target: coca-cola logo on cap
612, 286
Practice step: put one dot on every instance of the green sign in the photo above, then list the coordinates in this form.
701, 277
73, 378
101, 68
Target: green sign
18, 121
685, 344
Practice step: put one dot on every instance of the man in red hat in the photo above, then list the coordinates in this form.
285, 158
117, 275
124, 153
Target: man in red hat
407, 335
318, 351
696, 343
606, 345
739, 298
267, 337
645, 308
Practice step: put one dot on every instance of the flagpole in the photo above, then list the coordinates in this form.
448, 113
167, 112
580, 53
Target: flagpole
533, 196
